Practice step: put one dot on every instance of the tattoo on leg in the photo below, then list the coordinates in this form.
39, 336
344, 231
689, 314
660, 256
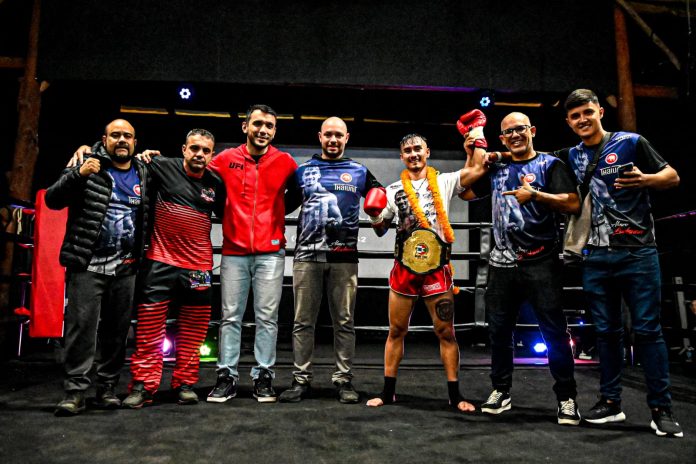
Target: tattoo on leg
445, 310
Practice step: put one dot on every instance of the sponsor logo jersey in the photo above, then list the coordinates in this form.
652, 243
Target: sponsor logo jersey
329, 218
528, 232
182, 210
620, 217
399, 207
113, 251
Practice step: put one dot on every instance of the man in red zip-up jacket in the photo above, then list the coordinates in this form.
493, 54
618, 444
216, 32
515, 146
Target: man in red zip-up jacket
253, 251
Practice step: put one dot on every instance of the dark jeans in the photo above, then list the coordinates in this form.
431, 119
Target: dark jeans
99, 308
634, 274
540, 284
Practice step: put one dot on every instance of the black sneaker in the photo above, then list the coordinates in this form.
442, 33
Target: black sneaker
106, 398
263, 388
497, 402
346, 393
604, 412
568, 413
138, 397
225, 389
72, 404
665, 424
296, 393
187, 395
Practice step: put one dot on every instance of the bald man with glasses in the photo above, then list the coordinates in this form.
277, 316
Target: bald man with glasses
529, 191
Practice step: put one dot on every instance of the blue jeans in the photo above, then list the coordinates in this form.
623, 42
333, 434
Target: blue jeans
634, 274
264, 274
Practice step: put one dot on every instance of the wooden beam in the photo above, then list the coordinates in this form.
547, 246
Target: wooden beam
651, 9
626, 103
12, 62
28, 107
27, 141
656, 40
656, 91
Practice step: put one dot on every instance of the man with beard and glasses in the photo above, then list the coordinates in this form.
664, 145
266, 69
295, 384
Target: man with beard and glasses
529, 193
106, 197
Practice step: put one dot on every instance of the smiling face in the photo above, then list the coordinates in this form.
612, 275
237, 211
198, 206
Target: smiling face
333, 138
516, 133
586, 121
260, 128
414, 154
119, 141
198, 151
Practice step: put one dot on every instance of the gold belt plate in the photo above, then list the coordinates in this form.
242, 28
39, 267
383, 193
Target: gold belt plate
422, 252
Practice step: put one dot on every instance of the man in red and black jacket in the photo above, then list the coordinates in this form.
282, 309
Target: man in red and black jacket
253, 249
177, 268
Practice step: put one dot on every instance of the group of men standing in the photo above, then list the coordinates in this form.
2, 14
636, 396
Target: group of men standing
253, 186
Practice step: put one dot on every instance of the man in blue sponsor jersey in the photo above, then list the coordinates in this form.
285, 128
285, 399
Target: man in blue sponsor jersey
529, 192
621, 257
329, 187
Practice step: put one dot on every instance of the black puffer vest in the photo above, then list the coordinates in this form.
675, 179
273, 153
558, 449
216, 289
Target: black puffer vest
87, 200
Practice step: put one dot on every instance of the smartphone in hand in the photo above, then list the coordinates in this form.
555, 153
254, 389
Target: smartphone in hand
624, 168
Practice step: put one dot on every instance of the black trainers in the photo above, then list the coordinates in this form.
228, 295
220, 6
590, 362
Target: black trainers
665, 424
187, 395
138, 397
497, 402
346, 393
72, 404
106, 398
296, 393
263, 388
568, 413
604, 412
225, 389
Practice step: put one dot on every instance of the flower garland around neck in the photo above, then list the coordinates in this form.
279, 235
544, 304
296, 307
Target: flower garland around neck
442, 219
431, 175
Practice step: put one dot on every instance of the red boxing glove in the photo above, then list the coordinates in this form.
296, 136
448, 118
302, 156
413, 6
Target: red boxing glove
375, 201
474, 120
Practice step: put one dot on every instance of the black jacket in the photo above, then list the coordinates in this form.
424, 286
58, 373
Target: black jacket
87, 199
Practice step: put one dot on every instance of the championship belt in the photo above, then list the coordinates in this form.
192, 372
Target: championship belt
422, 251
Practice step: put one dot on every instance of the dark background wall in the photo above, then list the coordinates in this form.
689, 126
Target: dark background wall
541, 45
418, 65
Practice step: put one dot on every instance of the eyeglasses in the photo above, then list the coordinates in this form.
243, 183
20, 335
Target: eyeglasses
519, 130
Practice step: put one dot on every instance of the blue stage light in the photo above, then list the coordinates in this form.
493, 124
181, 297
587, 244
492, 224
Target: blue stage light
539, 347
185, 93
487, 98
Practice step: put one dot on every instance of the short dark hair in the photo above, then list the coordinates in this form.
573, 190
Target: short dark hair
408, 137
202, 132
263, 108
580, 97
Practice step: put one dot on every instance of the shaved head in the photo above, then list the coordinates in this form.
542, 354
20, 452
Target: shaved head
333, 137
515, 116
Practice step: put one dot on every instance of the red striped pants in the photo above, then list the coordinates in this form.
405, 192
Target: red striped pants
192, 326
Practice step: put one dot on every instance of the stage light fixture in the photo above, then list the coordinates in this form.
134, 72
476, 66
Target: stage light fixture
185, 93
487, 99
205, 350
539, 347
166, 346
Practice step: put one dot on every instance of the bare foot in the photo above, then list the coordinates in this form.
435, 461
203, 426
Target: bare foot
465, 406
375, 402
